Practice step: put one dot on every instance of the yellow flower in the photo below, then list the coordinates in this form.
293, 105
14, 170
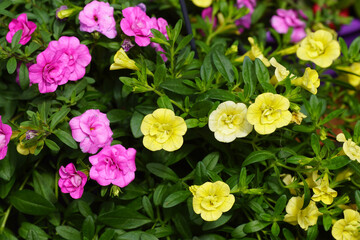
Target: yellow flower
228, 121
310, 81
212, 199
202, 3
344, 175
320, 48
288, 179
323, 192
254, 52
351, 78
280, 72
66, 13
297, 117
347, 228
270, 111
312, 179
304, 217
122, 61
350, 148
22, 147
163, 130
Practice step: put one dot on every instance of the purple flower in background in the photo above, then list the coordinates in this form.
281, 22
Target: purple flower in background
245, 21
72, 181
142, 6
21, 23
206, 14
113, 165
286, 19
127, 44
350, 31
98, 16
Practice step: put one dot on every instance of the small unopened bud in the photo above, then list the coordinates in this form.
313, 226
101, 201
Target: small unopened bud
63, 12
31, 134
115, 191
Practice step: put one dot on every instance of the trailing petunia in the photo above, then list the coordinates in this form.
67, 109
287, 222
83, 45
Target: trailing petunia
5, 135
280, 72
72, 181
211, 200
309, 81
92, 130
348, 227
229, 122
269, 112
323, 192
350, 148
122, 61
113, 165
286, 19
21, 23
163, 130
98, 16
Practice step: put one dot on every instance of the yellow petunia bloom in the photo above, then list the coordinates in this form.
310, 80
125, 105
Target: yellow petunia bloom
320, 48
304, 217
350, 148
211, 200
297, 117
344, 175
228, 122
347, 228
323, 192
288, 179
122, 61
163, 130
280, 72
310, 81
254, 53
351, 78
202, 3
270, 111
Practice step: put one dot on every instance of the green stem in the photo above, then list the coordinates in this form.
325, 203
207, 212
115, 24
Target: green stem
172, 101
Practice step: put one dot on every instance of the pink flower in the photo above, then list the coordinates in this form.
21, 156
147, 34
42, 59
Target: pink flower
5, 134
136, 23
98, 16
92, 130
72, 181
245, 21
206, 14
286, 19
21, 23
113, 164
63, 60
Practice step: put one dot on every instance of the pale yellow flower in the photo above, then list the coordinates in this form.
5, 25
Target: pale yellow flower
122, 61
163, 130
320, 48
270, 111
202, 3
313, 179
280, 72
351, 78
310, 81
344, 175
323, 192
255, 52
347, 228
350, 148
297, 117
288, 179
212, 199
228, 122
304, 217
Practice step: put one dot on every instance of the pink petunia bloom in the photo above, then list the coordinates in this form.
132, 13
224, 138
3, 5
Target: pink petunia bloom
286, 19
160, 25
245, 21
72, 181
206, 14
5, 134
98, 16
92, 130
136, 23
63, 60
113, 165
21, 23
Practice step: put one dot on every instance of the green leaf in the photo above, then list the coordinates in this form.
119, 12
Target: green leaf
108, 234
24, 76
177, 86
162, 171
357, 132
238, 232
88, 228
257, 156
214, 224
123, 218
343, 47
117, 115
307, 196
262, 75
32, 203
248, 74
275, 229
68, 233
26, 227
192, 123
357, 198
84, 208
33, 46
312, 233
160, 74
355, 166
182, 225
161, 232
147, 207
135, 123
52, 145
185, 41
255, 226
43, 187
327, 222
177, 29
206, 69
59, 116
164, 102
15, 40
66, 138
331, 116
336, 162
220, 94
201, 109
280, 205
159, 194
287, 234
223, 65
354, 48
176, 198
11, 65
315, 143
200, 173
211, 160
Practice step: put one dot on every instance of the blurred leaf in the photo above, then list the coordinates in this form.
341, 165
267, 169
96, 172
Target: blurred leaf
26, 227
257, 156
24, 76
15, 40
59, 116
52, 145
32, 203
164, 102
255, 226
68, 233
262, 75
88, 228
176, 198
201, 109
177, 86
42, 187
354, 48
248, 73
223, 65
312, 233
336, 162
148, 207
159, 194
162, 171
66, 138
280, 205
214, 224
135, 123
11, 65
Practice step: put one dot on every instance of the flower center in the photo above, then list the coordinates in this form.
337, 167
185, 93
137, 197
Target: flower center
316, 48
161, 131
231, 121
211, 202
269, 115
76, 180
